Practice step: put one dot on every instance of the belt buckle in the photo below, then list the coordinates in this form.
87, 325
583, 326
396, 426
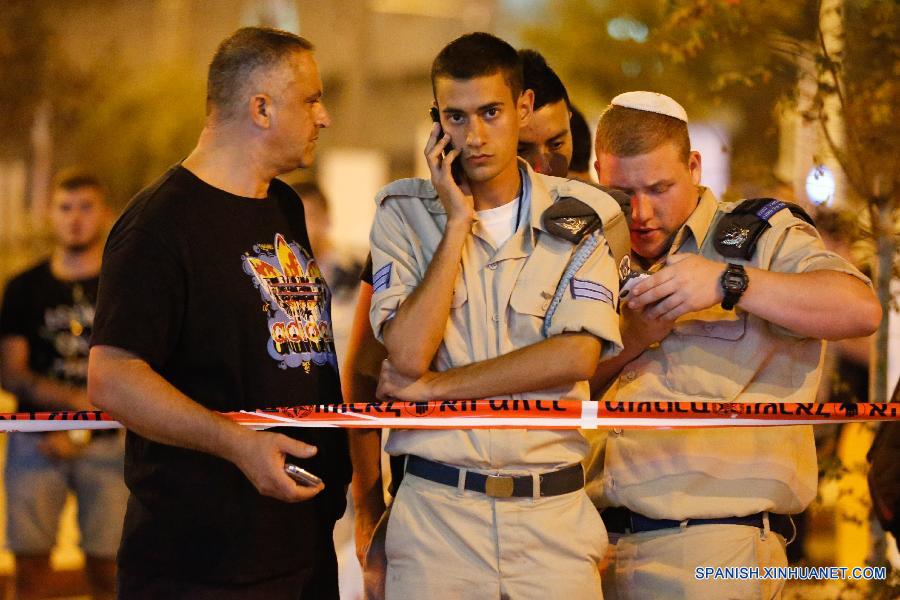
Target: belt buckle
498, 486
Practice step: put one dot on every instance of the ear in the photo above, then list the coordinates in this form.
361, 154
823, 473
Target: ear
260, 107
695, 166
525, 106
597, 168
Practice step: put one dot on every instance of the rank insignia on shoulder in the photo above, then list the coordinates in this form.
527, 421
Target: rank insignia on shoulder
583, 289
739, 231
570, 219
382, 278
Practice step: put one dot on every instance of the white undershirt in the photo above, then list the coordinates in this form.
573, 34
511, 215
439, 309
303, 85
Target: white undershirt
499, 224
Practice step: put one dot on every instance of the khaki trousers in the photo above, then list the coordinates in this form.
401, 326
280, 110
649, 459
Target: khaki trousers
446, 542
661, 564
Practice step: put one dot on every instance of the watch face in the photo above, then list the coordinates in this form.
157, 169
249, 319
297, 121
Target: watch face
734, 280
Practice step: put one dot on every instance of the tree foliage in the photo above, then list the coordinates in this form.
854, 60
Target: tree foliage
714, 56
125, 122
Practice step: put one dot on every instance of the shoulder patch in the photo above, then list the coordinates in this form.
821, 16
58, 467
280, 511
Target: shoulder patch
413, 187
739, 231
582, 208
570, 219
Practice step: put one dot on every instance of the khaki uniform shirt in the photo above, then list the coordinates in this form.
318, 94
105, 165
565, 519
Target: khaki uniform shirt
499, 301
724, 356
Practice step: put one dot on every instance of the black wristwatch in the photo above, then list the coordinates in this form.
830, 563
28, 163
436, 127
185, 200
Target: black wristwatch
734, 283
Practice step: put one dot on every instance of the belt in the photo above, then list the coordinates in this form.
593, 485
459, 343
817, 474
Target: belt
553, 483
619, 519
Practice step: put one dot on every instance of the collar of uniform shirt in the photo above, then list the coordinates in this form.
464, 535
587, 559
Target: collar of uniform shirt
699, 221
538, 195
534, 198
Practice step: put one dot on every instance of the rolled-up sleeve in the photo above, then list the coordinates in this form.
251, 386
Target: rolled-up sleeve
588, 303
797, 248
394, 270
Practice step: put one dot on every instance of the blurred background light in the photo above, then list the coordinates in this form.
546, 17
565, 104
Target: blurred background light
820, 185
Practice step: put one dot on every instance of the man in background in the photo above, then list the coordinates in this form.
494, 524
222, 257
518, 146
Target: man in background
45, 328
545, 141
580, 165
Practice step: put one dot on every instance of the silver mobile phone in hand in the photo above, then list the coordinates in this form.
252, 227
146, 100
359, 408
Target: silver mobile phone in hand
301, 476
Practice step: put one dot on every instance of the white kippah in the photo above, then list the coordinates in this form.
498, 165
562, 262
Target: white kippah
651, 102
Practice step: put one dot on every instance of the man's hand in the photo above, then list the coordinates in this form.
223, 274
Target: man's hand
639, 330
260, 456
58, 445
456, 197
392, 384
79, 401
686, 284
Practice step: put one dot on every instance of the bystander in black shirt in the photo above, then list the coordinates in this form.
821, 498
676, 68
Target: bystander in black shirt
55, 318
221, 296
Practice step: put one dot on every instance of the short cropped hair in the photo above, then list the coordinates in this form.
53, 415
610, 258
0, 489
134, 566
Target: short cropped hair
73, 178
240, 55
629, 132
478, 55
548, 88
581, 141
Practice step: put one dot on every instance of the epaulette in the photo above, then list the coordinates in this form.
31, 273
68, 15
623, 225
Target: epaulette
739, 231
573, 218
413, 187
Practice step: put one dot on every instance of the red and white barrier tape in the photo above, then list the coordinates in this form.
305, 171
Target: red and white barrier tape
504, 414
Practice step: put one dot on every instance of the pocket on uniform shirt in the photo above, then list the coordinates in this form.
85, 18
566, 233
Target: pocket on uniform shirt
705, 355
531, 298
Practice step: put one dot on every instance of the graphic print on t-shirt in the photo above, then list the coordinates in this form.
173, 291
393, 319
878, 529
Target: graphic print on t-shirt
296, 303
67, 327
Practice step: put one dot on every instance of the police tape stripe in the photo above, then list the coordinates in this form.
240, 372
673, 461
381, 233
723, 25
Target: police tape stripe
504, 414
589, 415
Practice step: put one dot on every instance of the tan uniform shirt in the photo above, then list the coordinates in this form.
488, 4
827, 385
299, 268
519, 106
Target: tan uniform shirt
499, 302
724, 356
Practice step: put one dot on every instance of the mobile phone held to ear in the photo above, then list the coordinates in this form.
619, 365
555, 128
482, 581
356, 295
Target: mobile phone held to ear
301, 476
455, 166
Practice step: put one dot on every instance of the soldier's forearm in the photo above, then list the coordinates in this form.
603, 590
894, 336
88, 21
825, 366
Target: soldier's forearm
818, 304
559, 360
413, 336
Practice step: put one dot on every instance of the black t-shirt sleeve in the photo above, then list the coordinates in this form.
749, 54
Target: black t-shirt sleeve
140, 304
14, 310
366, 275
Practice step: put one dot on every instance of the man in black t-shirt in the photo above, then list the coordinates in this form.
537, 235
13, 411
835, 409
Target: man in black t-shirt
210, 300
45, 326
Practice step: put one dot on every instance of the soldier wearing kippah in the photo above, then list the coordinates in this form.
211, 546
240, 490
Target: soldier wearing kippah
738, 302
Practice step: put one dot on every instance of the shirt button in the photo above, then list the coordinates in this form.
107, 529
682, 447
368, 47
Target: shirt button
496, 318
545, 305
709, 327
617, 431
630, 375
492, 266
